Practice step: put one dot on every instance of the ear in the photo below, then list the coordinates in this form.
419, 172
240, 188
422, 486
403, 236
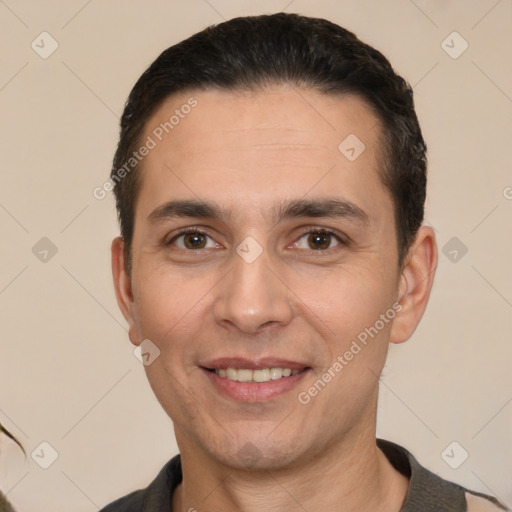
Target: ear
123, 287
416, 279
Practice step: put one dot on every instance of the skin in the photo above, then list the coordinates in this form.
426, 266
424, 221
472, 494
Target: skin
249, 152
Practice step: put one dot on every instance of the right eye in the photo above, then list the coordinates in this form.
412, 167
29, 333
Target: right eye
192, 240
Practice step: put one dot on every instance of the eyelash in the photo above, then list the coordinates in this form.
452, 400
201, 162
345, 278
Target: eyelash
310, 230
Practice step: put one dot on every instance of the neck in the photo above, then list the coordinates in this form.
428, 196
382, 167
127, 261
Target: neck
353, 475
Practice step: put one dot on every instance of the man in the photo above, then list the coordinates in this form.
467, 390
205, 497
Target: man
270, 181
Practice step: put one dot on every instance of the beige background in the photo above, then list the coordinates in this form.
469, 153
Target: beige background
67, 372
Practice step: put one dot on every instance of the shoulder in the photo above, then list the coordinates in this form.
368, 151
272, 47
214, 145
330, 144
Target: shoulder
154, 498
431, 493
480, 503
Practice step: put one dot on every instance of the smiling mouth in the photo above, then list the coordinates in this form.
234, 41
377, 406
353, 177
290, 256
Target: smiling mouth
256, 376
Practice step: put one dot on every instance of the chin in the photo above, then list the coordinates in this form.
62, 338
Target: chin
251, 458
259, 453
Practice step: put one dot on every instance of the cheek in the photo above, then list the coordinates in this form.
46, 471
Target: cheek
165, 301
171, 313
344, 302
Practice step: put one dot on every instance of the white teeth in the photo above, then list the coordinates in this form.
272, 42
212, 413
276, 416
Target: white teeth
244, 376
261, 375
276, 373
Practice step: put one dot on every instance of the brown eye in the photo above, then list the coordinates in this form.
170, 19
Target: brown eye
193, 240
318, 240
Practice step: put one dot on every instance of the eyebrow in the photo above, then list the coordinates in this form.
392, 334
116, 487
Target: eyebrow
324, 207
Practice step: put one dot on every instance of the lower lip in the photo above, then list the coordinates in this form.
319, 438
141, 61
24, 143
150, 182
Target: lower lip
255, 391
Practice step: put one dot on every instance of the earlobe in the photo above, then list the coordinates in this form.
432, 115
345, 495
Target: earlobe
416, 282
123, 287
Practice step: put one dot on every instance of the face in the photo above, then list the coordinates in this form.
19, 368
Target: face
263, 256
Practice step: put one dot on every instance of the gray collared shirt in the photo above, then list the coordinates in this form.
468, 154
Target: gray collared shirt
427, 492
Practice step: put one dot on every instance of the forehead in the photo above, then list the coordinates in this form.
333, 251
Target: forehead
275, 142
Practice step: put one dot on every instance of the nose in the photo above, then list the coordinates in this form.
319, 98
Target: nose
252, 297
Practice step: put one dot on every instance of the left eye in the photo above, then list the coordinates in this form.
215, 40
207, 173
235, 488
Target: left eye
193, 240
318, 240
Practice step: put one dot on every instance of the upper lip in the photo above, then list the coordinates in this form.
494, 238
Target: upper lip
252, 364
